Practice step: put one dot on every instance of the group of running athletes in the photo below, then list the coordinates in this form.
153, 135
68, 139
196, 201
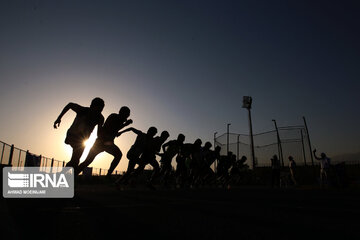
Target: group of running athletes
193, 161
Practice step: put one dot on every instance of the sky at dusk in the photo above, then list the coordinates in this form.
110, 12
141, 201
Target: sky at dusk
181, 66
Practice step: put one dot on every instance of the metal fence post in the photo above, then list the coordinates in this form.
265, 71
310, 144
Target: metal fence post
19, 158
11, 155
227, 138
303, 147
2, 153
308, 137
40, 164
215, 162
279, 144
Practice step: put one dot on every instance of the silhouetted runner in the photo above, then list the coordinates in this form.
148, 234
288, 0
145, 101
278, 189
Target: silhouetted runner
292, 167
241, 162
210, 156
275, 169
224, 164
84, 123
170, 150
105, 140
324, 167
195, 161
181, 173
149, 157
136, 150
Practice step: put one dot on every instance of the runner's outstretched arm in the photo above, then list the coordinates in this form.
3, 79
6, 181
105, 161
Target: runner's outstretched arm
164, 146
129, 129
316, 157
128, 122
73, 106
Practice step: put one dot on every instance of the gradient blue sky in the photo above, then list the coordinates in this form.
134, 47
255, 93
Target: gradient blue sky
182, 66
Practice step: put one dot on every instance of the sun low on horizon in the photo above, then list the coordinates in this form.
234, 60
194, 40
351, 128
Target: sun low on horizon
103, 159
87, 144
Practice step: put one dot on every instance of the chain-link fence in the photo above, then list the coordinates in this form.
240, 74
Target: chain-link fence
284, 142
19, 158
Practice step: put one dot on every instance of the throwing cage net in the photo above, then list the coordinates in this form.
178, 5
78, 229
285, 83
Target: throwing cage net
287, 141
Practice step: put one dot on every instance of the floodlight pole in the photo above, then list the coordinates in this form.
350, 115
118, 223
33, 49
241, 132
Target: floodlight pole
227, 140
247, 101
279, 143
251, 140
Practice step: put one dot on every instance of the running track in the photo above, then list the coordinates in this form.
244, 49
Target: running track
100, 211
